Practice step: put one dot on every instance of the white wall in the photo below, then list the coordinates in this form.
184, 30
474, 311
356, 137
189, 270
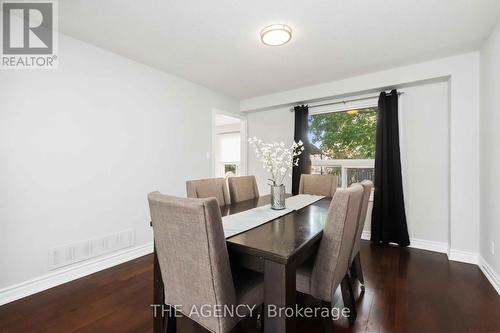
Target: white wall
82, 145
424, 142
490, 151
425, 149
236, 127
462, 75
270, 126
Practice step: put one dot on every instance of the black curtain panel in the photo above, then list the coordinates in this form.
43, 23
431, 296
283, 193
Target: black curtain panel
388, 216
301, 132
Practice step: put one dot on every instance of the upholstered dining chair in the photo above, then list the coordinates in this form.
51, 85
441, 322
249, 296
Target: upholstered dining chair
355, 261
243, 188
321, 276
194, 262
207, 188
325, 185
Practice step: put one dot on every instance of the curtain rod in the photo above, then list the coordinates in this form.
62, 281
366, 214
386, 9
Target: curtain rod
348, 100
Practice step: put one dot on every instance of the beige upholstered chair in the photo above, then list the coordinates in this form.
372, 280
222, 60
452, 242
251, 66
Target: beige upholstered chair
325, 185
243, 188
355, 262
322, 276
194, 261
209, 188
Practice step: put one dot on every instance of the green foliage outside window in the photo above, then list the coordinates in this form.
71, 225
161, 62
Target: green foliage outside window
345, 135
230, 168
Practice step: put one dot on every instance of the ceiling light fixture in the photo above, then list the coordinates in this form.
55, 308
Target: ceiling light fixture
276, 34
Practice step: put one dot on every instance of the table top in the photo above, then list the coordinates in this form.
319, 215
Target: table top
283, 238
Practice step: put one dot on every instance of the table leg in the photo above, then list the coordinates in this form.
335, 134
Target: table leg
279, 293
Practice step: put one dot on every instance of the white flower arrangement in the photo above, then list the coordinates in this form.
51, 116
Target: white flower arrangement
277, 158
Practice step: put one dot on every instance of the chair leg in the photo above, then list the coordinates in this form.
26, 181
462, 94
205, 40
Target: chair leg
327, 322
171, 320
358, 271
348, 298
260, 318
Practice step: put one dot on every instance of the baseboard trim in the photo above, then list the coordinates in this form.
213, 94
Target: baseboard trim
429, 245
490, 274
366, 235
73, 272
463, 256
417, 243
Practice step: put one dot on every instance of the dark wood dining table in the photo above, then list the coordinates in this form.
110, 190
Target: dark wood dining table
275, 249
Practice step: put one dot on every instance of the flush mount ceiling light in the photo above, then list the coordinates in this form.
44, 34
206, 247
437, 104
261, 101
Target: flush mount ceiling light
276, 34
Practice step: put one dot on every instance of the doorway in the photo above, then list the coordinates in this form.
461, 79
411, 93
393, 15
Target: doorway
228, 145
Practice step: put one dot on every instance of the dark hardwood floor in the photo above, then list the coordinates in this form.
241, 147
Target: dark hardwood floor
407, 290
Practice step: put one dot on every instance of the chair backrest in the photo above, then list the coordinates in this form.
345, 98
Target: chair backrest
367, 190
193, 257
243, 188
332, 260
209, 188
325, 185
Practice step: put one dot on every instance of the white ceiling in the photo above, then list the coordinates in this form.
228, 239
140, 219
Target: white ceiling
216, 43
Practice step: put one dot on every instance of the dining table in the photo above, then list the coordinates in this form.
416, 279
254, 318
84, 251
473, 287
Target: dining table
275, 248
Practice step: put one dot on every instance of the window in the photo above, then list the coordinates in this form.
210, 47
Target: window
344, 143
231, 169
228, 154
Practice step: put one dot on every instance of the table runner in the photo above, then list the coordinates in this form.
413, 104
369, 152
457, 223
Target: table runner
249, 219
